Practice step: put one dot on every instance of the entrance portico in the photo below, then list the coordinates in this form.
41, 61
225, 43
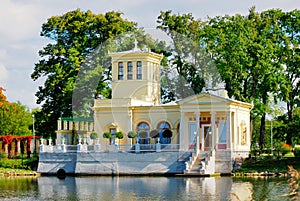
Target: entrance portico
212, 122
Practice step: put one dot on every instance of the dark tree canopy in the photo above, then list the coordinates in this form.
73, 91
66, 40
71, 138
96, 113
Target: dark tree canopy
73, 36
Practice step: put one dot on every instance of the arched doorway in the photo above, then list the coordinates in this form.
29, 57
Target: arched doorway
165, 133
143, 133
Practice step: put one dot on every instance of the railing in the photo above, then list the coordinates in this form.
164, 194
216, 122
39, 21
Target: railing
109, 148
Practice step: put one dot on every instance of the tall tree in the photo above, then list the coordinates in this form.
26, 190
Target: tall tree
73, 36
289, 57
15, 118
189, 64
244, 49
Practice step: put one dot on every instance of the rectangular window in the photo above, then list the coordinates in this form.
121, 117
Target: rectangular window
139, 70
120, 71
223, 132
129, 70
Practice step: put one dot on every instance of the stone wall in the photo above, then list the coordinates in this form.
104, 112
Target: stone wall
111, 163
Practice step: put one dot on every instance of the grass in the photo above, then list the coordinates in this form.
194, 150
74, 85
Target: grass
269, 164
9, 170
19, 164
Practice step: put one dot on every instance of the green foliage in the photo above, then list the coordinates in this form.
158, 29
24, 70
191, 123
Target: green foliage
131, 134
251, 53
94, 135
269, 165
25, 163
285, 129
285, 148
119, 135
15, 118
107, 135
74, 36
188, 64
297, 151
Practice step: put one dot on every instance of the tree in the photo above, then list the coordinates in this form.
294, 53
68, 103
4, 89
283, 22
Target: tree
289, 57
73, 36
189, 65
244, 49
15, 118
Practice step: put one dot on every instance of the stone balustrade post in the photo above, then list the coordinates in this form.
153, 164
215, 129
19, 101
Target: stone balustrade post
158, 146
137, 146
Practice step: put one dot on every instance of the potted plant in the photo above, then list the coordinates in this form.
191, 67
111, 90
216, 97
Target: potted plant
131, 134
154, 133
167, 133
119, 135
142, 134
94, 136
107, 135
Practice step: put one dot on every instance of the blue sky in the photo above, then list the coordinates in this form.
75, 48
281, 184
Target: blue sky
21, 20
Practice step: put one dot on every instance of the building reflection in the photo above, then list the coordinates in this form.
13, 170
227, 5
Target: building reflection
143, 188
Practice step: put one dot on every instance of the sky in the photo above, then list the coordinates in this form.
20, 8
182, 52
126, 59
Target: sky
21, 21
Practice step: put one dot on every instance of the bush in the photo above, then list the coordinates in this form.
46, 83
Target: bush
285, 148
107, 135
143, 134
154, 133
297, 150
131, 134
94, 135
119, 135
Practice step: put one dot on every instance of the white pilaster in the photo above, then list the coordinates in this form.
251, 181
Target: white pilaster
181, 132
58, 125
198, 133
228, 131
213, 129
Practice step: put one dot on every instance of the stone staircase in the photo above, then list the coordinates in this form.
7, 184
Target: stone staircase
201, 163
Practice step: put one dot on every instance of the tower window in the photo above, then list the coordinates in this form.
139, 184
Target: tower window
120, 71
139, 70
129, 70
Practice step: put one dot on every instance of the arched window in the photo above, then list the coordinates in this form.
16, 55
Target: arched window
143, 133
162, 127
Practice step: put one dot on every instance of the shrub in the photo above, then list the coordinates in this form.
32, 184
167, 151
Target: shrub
143, 134
285, 148
94, 135
167, 133
297, 150
154, 133
131, 134
119, 135
107, 135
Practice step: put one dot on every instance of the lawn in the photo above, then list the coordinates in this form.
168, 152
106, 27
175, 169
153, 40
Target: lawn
269, 164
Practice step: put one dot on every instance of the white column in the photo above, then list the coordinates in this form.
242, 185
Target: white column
213, 129
65, 125
181, 131
58, 125
228, 131
198, 133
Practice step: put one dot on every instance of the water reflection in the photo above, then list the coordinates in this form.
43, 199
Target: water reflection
143, 188
135, 188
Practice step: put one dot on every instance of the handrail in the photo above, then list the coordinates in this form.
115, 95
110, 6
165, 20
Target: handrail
108, 148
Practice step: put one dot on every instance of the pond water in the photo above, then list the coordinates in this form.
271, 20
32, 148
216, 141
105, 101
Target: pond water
143, 188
